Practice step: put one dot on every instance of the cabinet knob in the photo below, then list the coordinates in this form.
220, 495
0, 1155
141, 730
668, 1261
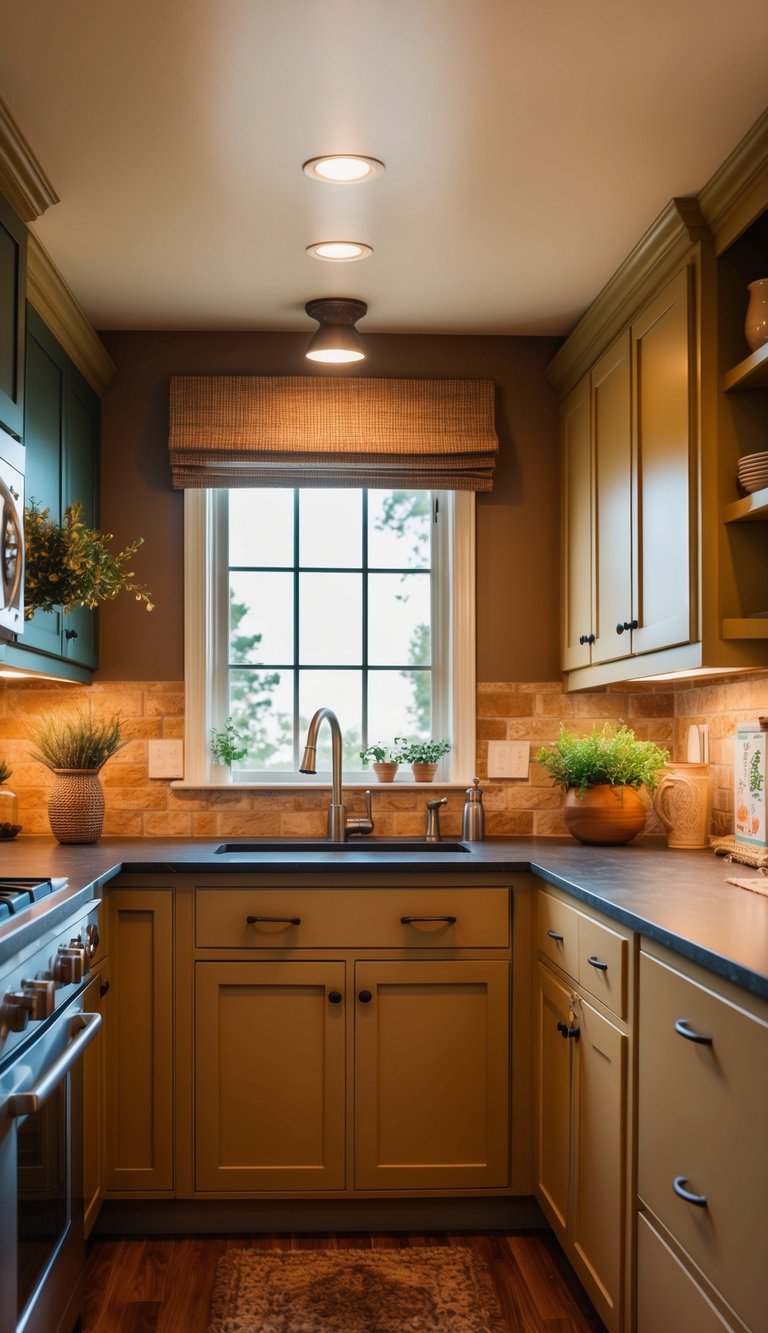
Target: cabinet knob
628, 624
365, 997
334, 997
566, 1032
586, 638
70, 634
679, 1183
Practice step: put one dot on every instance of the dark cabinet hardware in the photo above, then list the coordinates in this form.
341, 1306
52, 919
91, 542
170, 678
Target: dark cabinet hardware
409, 920
70, 634
103, 988
566, 1032
586, 638
679, 1183
283, 920
365, 997
334, 997
683, 1030
595, 962
553, 935
628, 624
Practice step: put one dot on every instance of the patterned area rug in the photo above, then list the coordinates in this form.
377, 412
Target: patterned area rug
430, 1290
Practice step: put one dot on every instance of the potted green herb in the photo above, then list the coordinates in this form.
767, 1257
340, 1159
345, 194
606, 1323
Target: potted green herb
386, 758
75, 747
9, 807
68, 564
423, 756
602, 775
228, 745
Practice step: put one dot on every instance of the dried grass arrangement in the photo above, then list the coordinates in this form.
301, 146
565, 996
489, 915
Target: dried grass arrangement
76, 741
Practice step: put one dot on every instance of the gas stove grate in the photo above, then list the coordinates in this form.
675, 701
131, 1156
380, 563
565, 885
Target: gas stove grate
17, 894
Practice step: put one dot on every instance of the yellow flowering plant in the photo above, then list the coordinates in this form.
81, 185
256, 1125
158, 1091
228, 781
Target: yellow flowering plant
69, 564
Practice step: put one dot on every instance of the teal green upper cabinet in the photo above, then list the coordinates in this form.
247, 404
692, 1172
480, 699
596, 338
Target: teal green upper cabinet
13, 286
61, 434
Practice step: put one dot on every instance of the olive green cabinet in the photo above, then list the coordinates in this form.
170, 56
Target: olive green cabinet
13, 284
627, 450
62, 455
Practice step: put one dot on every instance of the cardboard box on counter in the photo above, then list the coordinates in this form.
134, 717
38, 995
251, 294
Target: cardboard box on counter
750, 798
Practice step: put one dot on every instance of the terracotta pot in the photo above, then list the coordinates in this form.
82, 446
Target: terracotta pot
385, 772
604, 814
423, 772
76, 805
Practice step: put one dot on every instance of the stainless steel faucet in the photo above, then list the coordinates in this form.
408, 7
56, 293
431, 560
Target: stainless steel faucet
433, 819
339, 825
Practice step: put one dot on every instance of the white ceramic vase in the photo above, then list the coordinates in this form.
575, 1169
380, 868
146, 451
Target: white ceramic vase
756, 322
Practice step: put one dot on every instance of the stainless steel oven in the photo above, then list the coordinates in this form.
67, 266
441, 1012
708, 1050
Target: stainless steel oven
11, 536
43, 1033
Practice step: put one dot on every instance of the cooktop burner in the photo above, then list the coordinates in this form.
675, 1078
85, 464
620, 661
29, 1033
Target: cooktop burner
18, 894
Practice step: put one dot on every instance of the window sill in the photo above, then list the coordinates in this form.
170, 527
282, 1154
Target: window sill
180, 785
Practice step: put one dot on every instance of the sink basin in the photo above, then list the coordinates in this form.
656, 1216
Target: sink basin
371, 845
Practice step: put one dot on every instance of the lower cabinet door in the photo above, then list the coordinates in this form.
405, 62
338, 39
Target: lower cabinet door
431, 1075
553, 1101
94, 1002
269, 1076
598, 1195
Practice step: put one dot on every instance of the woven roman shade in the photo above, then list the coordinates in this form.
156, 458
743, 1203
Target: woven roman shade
301, 430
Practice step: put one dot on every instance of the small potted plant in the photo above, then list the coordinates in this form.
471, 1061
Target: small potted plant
68, 564
76, 748
423, 756
9, 807
386, 758
602, 775
228, 745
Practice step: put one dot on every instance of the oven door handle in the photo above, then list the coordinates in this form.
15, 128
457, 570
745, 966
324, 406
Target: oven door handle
28, 1103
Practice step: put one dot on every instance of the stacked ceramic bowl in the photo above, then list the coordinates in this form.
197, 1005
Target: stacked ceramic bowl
753, 472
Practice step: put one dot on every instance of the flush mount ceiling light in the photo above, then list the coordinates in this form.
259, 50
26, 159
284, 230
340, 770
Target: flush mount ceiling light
343, 168
337, 340
339, 252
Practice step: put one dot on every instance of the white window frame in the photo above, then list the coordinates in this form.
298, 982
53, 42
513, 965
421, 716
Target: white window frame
206, 641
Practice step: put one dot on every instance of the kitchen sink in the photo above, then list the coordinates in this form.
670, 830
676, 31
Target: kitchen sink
291, 846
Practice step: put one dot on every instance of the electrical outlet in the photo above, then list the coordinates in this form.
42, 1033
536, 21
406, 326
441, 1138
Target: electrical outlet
165, 759
508, 759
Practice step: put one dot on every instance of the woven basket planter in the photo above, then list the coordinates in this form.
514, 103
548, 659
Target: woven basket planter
76, 805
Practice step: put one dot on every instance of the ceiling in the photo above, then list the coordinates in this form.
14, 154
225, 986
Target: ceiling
528, 145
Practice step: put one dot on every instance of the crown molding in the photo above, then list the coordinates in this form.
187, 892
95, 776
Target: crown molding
49, 294
664, 246
738, 191
22, 179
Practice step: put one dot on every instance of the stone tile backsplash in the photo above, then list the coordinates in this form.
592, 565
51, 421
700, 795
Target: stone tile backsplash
528, 711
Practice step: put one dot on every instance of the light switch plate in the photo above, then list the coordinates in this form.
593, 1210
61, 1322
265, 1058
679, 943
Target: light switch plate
508, 759
165, 759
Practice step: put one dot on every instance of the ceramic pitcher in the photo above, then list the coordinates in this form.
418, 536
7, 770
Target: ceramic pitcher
683, 802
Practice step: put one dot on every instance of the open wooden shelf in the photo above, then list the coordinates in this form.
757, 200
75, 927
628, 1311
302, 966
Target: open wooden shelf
752, 509
746, 627
751, 373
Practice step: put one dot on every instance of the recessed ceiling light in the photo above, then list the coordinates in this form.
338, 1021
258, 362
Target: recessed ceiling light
343, 168
339, 252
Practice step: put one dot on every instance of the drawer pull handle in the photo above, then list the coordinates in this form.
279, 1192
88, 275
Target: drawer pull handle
683, 1030
553, 935
334, 997
409, 920
283, 920
595, 962
365, 997
567, 1032
679, 1183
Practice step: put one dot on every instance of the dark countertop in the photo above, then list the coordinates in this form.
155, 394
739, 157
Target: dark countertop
677, 898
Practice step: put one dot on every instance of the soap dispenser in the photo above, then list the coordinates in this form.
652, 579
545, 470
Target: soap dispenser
473, 824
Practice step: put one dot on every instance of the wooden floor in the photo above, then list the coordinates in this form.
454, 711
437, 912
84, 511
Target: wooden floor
164, 1286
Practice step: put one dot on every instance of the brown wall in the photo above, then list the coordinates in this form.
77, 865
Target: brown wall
517, 524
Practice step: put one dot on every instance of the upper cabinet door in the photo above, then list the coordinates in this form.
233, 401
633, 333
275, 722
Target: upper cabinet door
664, 476
576, 535
13, 287
612, 517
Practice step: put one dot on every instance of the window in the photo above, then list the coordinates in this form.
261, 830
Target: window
362, 601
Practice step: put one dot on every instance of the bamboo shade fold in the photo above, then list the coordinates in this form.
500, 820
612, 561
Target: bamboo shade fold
266, 430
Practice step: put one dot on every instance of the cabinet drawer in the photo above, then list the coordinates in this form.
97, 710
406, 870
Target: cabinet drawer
352, 918
603, 964
559, 933
667, 1297
701, 1108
